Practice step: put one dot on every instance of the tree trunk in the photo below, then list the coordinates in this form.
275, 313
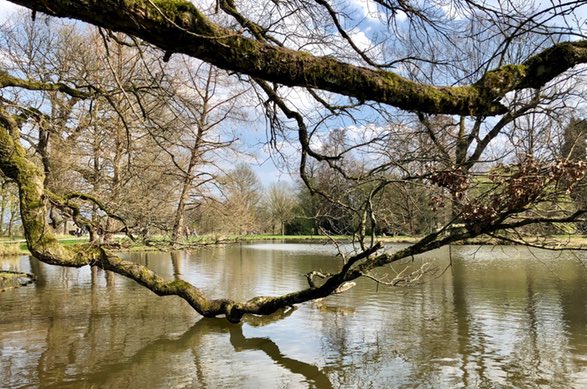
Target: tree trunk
96, 178
195, 156
178, 224
29, 178
2, 211
13, 213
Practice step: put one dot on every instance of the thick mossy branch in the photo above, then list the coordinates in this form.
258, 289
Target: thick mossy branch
179, 26
149, 279
6, 80
553, 61
29, 178
232, 310
15, 164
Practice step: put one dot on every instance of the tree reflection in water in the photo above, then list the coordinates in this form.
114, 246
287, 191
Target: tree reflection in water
497, 318
164, 349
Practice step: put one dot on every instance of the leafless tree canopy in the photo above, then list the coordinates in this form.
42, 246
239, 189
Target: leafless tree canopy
454, 112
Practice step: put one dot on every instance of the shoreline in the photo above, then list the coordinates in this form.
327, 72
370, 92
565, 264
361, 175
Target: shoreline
15, 247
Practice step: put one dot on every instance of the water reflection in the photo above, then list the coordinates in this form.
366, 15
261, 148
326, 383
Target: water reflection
498, 318
513, 320
117, 374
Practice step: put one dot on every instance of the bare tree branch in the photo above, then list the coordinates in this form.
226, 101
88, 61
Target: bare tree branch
180, 26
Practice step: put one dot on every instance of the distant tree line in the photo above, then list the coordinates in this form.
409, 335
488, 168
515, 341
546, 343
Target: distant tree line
447, 122
144, 150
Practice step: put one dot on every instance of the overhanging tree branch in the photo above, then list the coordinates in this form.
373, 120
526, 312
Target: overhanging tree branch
6, 80
180, 26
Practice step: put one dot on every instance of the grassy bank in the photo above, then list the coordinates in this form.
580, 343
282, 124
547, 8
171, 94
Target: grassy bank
159, 243
12, 249
18, 246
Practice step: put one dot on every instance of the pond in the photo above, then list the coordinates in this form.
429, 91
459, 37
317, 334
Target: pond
498, 317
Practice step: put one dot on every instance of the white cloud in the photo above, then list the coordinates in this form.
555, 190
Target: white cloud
369, 10
373, 12
6, 9
360, 39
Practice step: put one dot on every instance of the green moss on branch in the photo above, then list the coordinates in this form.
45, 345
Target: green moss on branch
181, 27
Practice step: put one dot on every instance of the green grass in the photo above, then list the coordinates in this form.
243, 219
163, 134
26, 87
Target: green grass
68, 241
17, 245
290, 237
226, 238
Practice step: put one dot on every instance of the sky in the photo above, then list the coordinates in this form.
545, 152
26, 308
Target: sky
362, 32
6, 8
263, 165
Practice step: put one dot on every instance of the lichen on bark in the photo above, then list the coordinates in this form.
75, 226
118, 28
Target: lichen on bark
178, 26
17, 165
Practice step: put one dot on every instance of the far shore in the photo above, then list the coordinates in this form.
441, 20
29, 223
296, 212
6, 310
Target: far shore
18, 246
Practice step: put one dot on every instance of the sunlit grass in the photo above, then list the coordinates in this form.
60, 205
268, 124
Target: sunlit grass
17, 245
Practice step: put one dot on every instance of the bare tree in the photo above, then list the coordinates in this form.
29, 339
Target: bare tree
494, 71
91, 141
194, 132
242, 195
280, 204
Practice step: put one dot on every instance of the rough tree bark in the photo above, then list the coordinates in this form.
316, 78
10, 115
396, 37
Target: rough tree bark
16, 165
178, 26
42, 243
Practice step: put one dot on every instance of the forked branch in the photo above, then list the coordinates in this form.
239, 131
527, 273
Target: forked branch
182, 27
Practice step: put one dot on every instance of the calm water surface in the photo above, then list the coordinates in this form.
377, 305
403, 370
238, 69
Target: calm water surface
502, 317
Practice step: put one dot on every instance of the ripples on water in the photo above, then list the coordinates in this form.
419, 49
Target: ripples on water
502, 317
